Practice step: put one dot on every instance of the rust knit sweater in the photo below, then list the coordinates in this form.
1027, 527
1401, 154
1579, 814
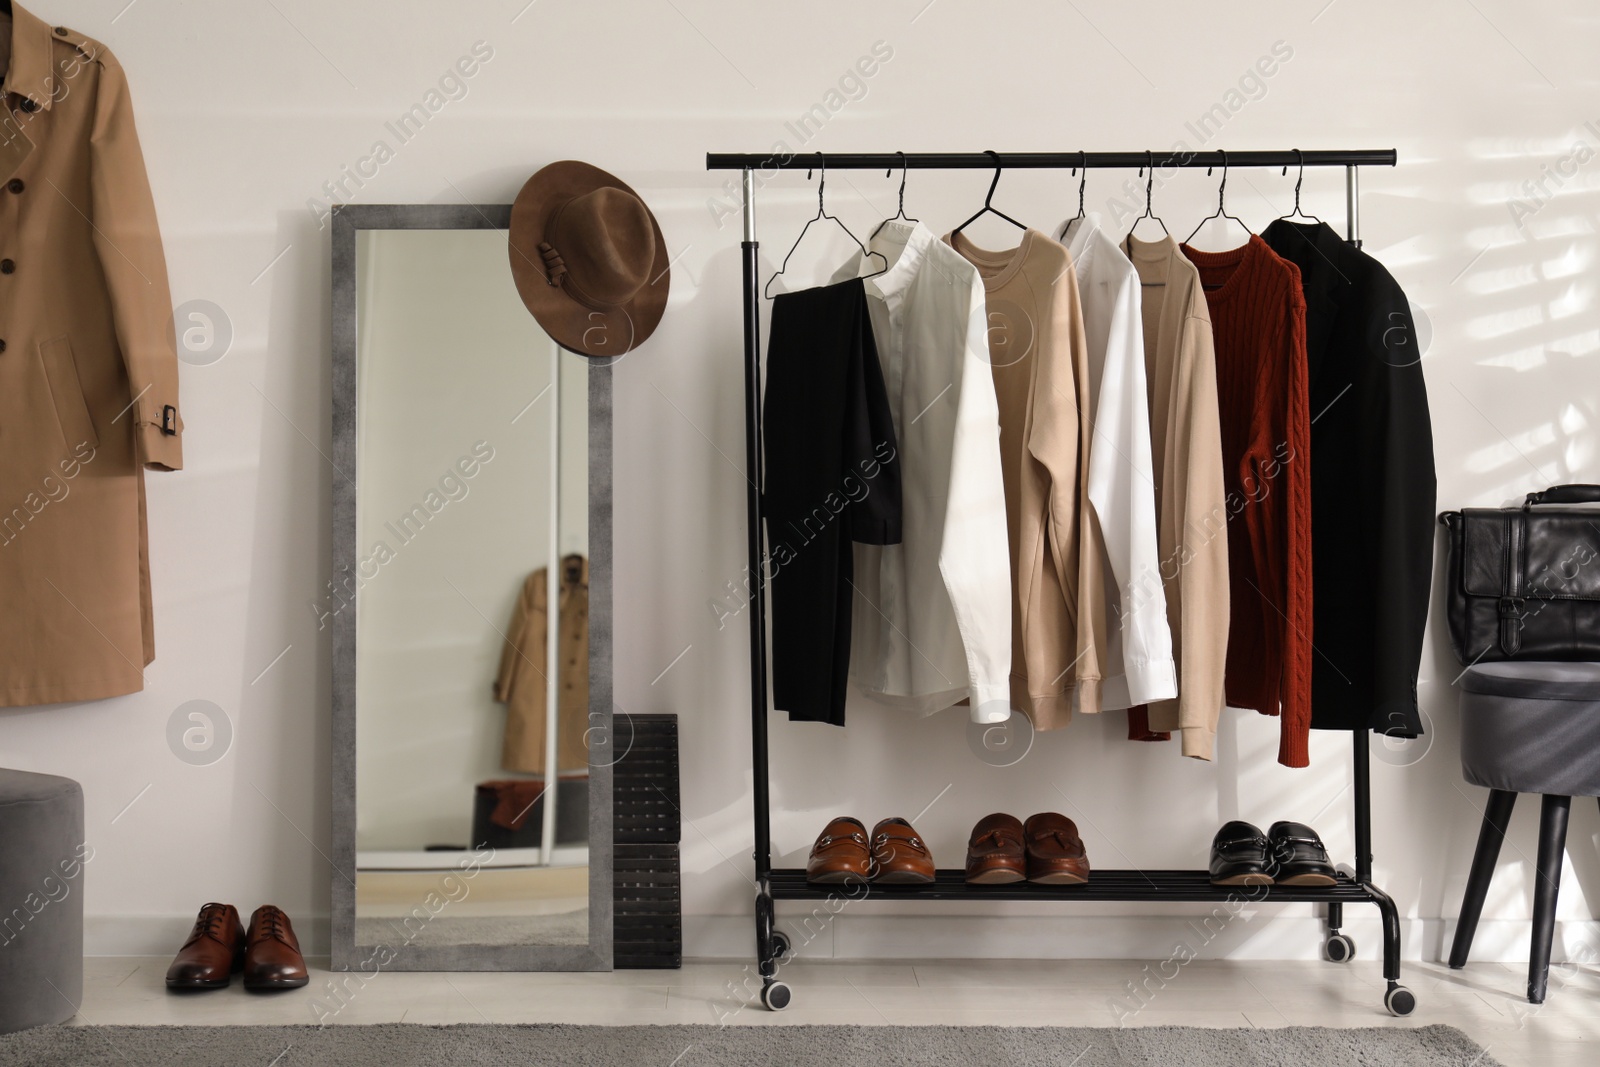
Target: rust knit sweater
1258, 320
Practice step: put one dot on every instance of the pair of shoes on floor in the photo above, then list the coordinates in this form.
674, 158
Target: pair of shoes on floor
1290, 853
895, 854
1046, 849
220, 946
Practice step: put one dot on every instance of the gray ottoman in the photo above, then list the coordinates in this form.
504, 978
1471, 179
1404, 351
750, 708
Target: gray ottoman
42, 856
1527, 727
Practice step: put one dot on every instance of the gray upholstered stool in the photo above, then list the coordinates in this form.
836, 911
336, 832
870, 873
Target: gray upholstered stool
41, 899
1529, 727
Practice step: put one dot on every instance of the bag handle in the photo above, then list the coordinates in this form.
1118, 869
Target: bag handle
1575, 493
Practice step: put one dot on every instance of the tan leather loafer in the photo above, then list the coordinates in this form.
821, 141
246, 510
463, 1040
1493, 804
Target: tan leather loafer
840, 854
1056, 854
214, 951
995, 854
899, 855
272, 958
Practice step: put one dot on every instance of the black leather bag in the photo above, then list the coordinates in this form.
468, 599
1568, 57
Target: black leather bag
1524, 583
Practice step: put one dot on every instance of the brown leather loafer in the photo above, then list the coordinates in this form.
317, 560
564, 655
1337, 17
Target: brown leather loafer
840, 854
899, 855
995, 855
1055, 851
214, 951
272, 957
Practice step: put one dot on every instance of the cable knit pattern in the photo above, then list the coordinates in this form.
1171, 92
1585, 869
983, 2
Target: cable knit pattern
1258, 320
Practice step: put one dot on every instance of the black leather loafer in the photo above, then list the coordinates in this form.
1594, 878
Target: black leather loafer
1298, 855
1240, 855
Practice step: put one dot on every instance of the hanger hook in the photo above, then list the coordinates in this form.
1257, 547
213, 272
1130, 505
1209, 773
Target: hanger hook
1150, 181
822, 181
1222, 188
997, 169
1301, 158
902, 156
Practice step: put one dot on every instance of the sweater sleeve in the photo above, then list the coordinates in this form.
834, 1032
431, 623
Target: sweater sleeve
1297, 650
1200, 591
974, 559
1058, 428
1089, 604
1122, 492
1400, 435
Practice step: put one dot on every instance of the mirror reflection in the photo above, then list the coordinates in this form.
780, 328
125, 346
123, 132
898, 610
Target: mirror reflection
472, 513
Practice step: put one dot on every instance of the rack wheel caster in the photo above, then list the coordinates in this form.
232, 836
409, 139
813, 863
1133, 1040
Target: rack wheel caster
1339, 949
776, 995
780, 944
1399, 1000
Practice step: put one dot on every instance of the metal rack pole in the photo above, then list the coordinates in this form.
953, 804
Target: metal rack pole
755, 578
1373, 157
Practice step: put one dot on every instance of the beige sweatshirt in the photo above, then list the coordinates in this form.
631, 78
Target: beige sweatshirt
1191, 511
1039, 362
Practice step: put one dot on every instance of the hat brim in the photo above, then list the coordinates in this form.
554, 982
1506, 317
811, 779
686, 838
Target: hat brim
580, 329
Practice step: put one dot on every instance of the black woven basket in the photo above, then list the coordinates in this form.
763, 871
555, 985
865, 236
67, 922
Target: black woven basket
647, 927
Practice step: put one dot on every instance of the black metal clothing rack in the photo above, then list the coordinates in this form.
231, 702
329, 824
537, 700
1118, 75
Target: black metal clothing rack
772, 945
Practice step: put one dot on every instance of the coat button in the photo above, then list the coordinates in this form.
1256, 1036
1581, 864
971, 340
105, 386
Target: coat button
2, 344
16, 185
8, 266
61, 31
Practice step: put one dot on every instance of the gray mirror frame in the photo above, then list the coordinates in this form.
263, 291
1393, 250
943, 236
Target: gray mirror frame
369, 959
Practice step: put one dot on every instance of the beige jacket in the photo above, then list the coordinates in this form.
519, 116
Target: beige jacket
88, 371
1191, 512
520, 685
1039, 363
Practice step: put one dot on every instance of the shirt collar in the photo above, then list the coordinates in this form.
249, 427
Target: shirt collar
31, 74
1078, 234
903, 245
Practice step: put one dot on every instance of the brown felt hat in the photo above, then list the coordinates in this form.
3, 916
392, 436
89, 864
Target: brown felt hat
588, 259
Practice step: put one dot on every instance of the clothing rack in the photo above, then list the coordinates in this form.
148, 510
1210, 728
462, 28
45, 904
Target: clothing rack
772, 945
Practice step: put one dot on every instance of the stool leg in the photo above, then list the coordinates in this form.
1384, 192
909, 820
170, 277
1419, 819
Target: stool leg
1552, 847
1496, 817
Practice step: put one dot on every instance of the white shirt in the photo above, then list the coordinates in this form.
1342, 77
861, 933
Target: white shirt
931, 620
1138, 659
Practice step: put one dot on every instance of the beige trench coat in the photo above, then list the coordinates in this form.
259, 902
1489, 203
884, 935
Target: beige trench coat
521, 682
88, 371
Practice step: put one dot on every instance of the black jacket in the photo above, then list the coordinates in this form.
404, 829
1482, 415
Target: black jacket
1372, 485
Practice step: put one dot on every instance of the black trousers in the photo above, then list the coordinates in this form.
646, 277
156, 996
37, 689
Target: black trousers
832, 478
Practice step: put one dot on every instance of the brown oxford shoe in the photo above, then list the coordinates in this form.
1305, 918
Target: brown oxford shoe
272, 957
1055, 851
841, 853
995, 855
214, 951
899, 855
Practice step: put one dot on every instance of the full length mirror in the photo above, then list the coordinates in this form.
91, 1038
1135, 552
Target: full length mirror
473, 822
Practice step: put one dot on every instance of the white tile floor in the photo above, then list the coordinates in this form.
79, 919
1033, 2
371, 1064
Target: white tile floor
1485, 1000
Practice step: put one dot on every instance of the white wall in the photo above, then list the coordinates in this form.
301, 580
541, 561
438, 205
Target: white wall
247, 110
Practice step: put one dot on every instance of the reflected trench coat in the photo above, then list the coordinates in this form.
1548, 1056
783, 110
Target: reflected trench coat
88, 371
520, 685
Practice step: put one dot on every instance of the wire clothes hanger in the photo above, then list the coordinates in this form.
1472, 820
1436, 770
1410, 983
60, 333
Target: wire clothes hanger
901, 214
1149, 185
822, 182
1301, 156
988, 201
1221, 212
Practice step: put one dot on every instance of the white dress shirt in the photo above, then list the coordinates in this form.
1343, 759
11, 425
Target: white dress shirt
931, 622
1138, 660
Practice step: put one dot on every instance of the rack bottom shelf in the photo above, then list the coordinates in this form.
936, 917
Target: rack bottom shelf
789, 883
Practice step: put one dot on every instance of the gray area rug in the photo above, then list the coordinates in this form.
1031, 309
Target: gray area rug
402, 1045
